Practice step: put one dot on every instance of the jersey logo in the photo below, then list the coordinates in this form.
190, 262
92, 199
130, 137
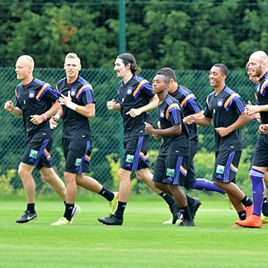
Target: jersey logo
31, 94
220, 103
162, 114
73, 91
129, 90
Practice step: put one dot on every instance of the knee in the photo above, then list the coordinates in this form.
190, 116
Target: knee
23, 172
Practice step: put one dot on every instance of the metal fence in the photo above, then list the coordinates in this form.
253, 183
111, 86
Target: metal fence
107, 125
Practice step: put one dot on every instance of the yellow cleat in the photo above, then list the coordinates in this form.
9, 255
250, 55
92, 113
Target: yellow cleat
114, 202
61, 221
264, 220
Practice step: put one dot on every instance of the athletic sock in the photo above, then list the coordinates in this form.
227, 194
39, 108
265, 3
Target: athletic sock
190, 200
120, 210
257, 178
206, 185
68, 211
106, 194
242, 215
169, 199
265, 207
185, 211
246, 201
31, 207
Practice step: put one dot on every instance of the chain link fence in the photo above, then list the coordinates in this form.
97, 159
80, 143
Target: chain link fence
107, 126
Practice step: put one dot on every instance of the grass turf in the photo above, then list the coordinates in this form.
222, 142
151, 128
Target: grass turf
143, 241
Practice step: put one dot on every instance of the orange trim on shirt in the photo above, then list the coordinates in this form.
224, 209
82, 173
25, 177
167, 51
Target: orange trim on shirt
41, 90
81, 89
135, 92
170, 107
229, 99
186, 99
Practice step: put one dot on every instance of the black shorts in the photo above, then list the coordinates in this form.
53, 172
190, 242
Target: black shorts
226, 166
77, 154
37, 151
135, 153
190, 178
260, 158
171, 169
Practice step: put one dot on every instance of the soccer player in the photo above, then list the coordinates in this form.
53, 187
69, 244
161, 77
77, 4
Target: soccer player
263, 129
189, 106
172, 162
258, 67
77, 107
135, 98
36, 101
226, 109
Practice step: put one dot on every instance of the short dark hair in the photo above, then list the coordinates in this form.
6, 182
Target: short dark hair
168, 72
128, 58
223, 68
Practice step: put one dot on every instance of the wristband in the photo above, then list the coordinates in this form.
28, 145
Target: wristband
44, 117
72, 105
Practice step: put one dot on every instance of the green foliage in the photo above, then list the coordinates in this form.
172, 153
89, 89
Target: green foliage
6, 187
159, 33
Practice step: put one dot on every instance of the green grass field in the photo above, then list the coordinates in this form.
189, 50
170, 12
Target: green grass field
143, 241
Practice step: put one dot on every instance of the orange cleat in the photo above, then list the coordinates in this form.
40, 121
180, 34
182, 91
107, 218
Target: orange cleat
249, 210
252, 221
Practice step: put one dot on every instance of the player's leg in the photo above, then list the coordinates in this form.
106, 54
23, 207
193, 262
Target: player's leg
25, 173
225, 171
94, 186
52, 178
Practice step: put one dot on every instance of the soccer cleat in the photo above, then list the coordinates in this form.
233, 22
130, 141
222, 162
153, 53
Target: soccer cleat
264, 220
26, 217
111, 220
249, 210
186, 223
114, 202
195, 207
252, 221
75, 212
61, 221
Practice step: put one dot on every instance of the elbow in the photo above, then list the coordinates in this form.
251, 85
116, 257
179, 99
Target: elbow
91, 114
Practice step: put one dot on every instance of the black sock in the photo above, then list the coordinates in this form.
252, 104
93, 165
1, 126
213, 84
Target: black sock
30, 207
187, 215
169, 199
265, 207
68, 211
106, 194
120, 210
246, 201
242, 215
190, 200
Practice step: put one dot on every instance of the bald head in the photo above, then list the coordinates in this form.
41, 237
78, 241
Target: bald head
257, 65
259, 56
27, 61
24, 68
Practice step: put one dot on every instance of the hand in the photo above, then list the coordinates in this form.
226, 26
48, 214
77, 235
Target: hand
148, 128
36, 119
111, 104
156, 136
222, 131
189, 120
53, 121
263, 129
251, 109
9, 106
134, 112
63, 100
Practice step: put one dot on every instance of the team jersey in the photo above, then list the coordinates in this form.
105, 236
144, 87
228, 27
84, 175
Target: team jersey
262, 96
170, 114
225, 108
35, 98
76, 125
189, 105
136, 93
